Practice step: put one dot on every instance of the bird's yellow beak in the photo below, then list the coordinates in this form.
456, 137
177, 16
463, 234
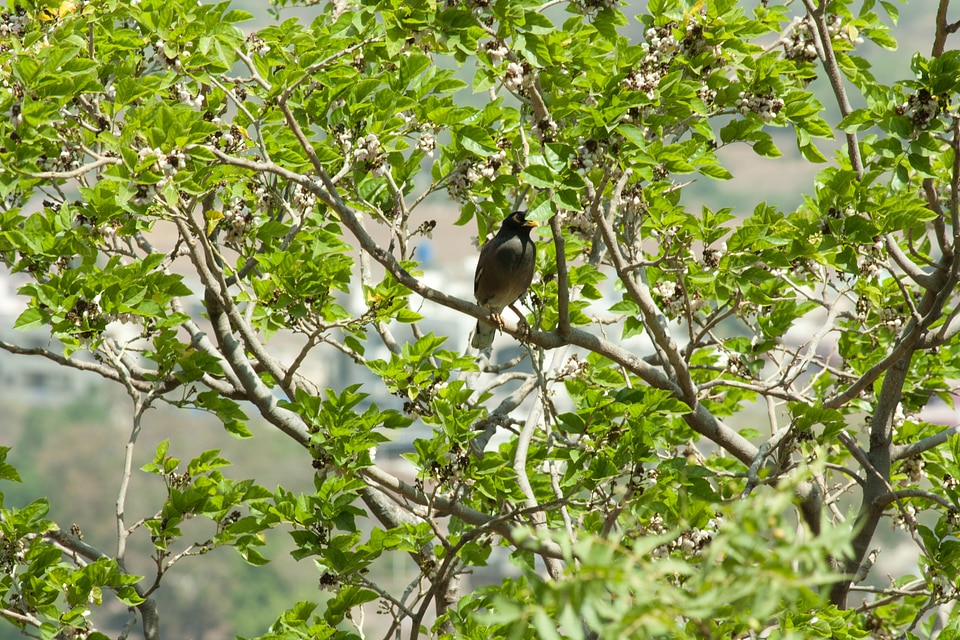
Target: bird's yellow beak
531, 223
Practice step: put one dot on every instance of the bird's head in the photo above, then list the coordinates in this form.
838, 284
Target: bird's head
518, 220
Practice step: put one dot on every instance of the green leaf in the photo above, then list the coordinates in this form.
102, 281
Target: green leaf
539, 176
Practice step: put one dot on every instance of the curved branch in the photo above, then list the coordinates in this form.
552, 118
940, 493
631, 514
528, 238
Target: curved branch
882, 502
74, 173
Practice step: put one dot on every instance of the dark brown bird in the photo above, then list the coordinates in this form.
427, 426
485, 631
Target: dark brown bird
504, 272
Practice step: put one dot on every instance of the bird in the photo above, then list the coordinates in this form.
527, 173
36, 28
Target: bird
504, 272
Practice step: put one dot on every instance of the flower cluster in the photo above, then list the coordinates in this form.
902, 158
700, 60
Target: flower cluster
646, 77
843, 32
706, 95
546, 130
711, 257
870, 263
497, 51
236, 219
160, 56
632, 199
906, 518
913, 467
232, 140
590, 8
370, 153
13, 24
588, 154
579, 222
737, 365
694, 43
69, 158
185, 96
661, 47
799, 43
890, 317
258, 45
166, 164
671, 297
516, 76
303, 199
765, 105
922, 108
691, 542
471, 170
427, 142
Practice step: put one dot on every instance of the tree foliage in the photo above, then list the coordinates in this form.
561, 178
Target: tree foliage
633, 482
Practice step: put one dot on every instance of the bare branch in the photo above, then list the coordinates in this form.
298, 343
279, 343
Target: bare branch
74, 173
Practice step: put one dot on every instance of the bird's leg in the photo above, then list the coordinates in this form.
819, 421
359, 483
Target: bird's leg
497, 319
524, 326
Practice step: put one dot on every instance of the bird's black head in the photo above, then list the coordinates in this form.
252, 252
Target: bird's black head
518, 220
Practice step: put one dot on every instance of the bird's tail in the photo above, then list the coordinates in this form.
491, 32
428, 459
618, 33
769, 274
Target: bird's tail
483, 336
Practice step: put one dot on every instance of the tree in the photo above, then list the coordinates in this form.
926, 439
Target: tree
634, 484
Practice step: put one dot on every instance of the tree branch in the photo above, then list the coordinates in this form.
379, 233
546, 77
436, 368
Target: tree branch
901, 451
825, 51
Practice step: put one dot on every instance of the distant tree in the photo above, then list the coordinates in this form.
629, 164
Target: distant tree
715, 411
